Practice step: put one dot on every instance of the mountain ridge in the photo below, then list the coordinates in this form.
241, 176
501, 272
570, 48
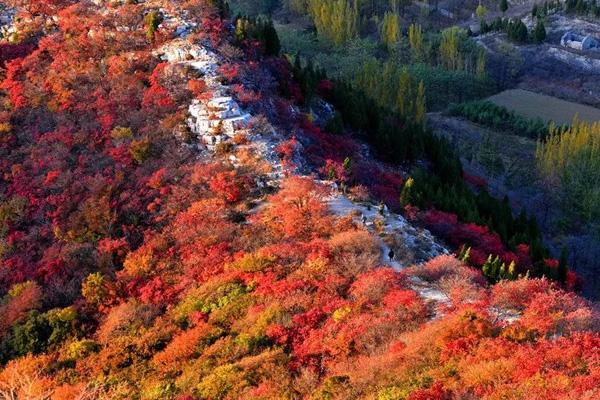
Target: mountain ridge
144, 260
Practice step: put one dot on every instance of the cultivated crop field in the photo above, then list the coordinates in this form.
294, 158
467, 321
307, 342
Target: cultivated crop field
534, 105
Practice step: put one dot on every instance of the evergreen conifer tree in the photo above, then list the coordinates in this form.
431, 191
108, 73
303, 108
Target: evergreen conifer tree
539, 33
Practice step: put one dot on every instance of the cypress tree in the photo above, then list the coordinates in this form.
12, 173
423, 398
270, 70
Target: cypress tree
271, 42
487, 267
517, 31
420, 108
152, 20
539, 33
512, 271
562, 266
465, 254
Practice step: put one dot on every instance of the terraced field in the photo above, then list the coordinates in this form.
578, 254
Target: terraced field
534, 105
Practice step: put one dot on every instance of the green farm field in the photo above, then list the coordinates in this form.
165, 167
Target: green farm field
534, 105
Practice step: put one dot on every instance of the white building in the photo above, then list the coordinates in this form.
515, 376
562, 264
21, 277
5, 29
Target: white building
579, 42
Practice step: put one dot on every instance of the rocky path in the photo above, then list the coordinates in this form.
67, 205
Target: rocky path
401, 243
386, 224
395, 233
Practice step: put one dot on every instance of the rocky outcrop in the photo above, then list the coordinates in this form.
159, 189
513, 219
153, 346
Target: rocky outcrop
7, 16
218, 119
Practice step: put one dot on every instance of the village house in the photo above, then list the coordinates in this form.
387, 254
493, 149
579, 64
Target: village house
580, 42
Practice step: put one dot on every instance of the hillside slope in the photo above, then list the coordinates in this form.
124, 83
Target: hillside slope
165, 235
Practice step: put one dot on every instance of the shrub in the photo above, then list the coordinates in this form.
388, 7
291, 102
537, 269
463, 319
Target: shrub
184, 346
125, 319
93, 289
253, 263
210, 297
354, 252
21, 298
140, 150
82, 348
121, 133
39, 330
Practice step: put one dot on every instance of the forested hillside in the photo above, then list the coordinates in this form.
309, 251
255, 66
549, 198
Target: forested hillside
186, 213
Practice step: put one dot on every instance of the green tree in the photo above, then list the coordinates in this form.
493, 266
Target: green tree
260, 29
517, 31
270, 40
400, 5
406, 193
488, 157
140, 150
503, 6
404, 100
494, 269
512, 271
93, 288
569, 161
539, 32
480, 64
464, 254
41, 330
420, 108
298, 6
562, 266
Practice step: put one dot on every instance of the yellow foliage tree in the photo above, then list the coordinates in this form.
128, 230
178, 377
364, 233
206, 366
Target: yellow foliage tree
415, 39
336, 20
390, 29
450, 56
569, 160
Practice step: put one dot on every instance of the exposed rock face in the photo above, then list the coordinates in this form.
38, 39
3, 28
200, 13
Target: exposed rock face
6, 15
181, 50
181, 25
220, 118
393, 227
216, 121
6, 19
